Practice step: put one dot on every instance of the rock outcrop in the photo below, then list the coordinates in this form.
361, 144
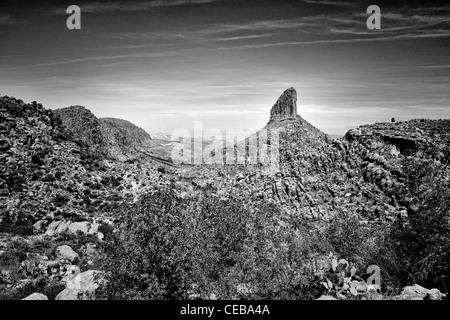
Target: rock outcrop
66, 252
82, 286
417, 292
286, 107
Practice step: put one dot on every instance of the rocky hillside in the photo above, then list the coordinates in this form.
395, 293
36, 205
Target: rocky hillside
110, 138
44, 174
123, 140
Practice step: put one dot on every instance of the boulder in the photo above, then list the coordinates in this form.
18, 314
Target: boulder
38, 225
67, 294
83, 285
52, 228
94, 229
36, 296
100, 236
87, 281
66, 252
417, 292
82, 227
62, 227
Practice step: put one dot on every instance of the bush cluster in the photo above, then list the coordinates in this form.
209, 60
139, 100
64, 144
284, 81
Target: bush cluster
167, 247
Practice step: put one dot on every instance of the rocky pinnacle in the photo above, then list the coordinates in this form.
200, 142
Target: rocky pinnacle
286, 107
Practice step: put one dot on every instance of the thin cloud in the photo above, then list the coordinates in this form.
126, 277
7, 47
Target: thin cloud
102, 7
330, 3
255, 36
395, 26
97, 58
444, 66
337, 41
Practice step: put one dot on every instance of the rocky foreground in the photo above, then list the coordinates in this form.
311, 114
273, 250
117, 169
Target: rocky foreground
64, 174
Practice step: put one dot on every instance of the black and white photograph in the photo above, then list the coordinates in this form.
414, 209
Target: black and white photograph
225, 154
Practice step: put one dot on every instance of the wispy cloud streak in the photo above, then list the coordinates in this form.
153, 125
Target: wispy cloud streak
331, 3
110, 6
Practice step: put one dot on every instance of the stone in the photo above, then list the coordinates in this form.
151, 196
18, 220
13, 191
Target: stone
91, 250
36, 296
66, 252
67, 294
417, 292
325, 297
286, 107
87, 281
82, 227
83, 284
71, 273
52, 228
394, 151
94, 229
212, 296
62, 227
38, 225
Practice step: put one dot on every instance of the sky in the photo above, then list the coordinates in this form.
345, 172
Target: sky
165, 64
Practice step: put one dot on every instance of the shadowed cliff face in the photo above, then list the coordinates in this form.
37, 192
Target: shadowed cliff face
286, 107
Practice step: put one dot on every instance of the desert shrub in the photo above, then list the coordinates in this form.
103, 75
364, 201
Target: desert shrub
347, 235
153, 256
21, 227
364, 245
421, 241
49, 178
162, 170
10, 260
60, 200
44, 246
73, 216
167, 247
105, 228
277, 256
50, 288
